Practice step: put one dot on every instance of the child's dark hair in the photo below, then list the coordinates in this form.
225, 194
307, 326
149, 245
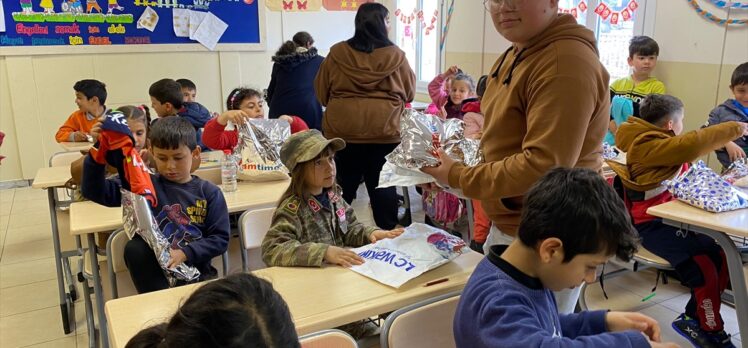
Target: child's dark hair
371, 29
578, 207
138, 113
171, 133
237, 95
643, 46
240, 310
167, 91
301, 39
656, 108
480, 88
185, 83
740, 75
92, 88
464, 78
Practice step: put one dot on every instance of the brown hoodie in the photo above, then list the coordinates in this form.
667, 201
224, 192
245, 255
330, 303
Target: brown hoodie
364, 93
545, 106
654, 154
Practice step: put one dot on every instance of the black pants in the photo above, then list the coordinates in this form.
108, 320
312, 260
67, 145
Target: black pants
365, 161
145, 271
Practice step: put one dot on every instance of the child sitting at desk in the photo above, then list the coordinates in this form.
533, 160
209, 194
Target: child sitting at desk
242, 104
312, 223
193, 206
572, 222
656, 151
238, 311
90, 96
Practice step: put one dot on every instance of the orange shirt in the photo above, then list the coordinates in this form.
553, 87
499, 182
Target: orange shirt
77, 122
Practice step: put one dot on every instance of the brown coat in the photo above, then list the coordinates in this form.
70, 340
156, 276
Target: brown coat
654, 154
553, 111
364, 93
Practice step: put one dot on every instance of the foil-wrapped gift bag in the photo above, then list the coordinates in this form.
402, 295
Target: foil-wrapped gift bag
737, 173
421, 136
137, 218
701, 187
258, 148
419, 249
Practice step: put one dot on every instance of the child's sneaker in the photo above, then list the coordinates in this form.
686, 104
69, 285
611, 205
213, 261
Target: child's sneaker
690, 329
721, 339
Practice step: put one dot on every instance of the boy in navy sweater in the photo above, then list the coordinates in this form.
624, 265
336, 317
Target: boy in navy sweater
191, 212
572, 223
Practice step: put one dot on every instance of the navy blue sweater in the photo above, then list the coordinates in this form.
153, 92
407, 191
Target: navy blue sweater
503, 307
198, 115
291, 89
193, 216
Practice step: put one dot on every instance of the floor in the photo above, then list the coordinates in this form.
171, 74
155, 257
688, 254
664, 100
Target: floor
29, 308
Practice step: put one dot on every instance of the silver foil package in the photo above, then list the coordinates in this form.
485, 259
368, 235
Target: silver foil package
737, 173
258, 148
701, 187
137, 218
421, 136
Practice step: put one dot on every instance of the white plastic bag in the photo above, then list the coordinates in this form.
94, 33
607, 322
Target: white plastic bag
419, 249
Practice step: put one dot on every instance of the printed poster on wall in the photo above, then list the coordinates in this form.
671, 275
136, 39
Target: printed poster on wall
127, 22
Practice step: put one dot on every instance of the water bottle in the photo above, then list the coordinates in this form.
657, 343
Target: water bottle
228, 172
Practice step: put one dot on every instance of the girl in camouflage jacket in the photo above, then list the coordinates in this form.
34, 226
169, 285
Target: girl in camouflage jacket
312, 223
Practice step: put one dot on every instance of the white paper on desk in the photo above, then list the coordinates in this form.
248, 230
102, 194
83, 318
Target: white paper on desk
419, 249
210, 31
2, 18
148, 19
196, 17
181, 21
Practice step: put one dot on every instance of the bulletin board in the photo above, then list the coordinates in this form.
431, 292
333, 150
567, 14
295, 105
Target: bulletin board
118, 26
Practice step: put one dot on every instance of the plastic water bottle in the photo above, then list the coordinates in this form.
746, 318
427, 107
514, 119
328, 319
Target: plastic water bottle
228, 172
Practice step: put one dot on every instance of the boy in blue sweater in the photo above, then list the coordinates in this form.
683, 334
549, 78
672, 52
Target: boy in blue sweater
191, 212
572, 223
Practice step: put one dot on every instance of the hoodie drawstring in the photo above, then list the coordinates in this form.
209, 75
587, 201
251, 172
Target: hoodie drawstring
508, 79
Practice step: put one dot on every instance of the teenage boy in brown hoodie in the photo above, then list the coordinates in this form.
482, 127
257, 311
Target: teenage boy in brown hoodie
656, 151
547, 104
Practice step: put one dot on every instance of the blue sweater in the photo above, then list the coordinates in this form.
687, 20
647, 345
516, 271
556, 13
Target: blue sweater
193, 216
503, 307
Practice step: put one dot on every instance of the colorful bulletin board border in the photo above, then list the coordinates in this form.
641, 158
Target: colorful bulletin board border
80, 27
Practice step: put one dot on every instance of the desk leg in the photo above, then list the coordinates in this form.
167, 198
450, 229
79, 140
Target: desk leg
735, 267
98, 291
66, 303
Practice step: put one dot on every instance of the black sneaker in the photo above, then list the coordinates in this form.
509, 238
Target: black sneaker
721, 339
690, 329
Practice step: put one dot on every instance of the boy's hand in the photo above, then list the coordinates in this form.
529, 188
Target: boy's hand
382, 234
286, 118
235, 116
343, 257
79, 136
734, 151
177, 257
622, 321
452, 70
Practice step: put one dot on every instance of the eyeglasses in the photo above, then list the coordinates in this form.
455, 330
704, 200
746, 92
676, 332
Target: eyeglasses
495, 5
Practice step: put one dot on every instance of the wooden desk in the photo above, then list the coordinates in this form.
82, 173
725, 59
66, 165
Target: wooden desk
717, 226
51, 177
318, 298
88, 218
76, 146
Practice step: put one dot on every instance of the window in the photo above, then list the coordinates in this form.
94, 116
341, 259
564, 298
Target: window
417, 25
613, 32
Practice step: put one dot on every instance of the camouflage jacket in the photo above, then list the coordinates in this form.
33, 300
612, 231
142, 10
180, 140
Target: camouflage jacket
302, 229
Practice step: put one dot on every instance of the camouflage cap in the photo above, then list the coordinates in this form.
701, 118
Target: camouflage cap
305, 146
